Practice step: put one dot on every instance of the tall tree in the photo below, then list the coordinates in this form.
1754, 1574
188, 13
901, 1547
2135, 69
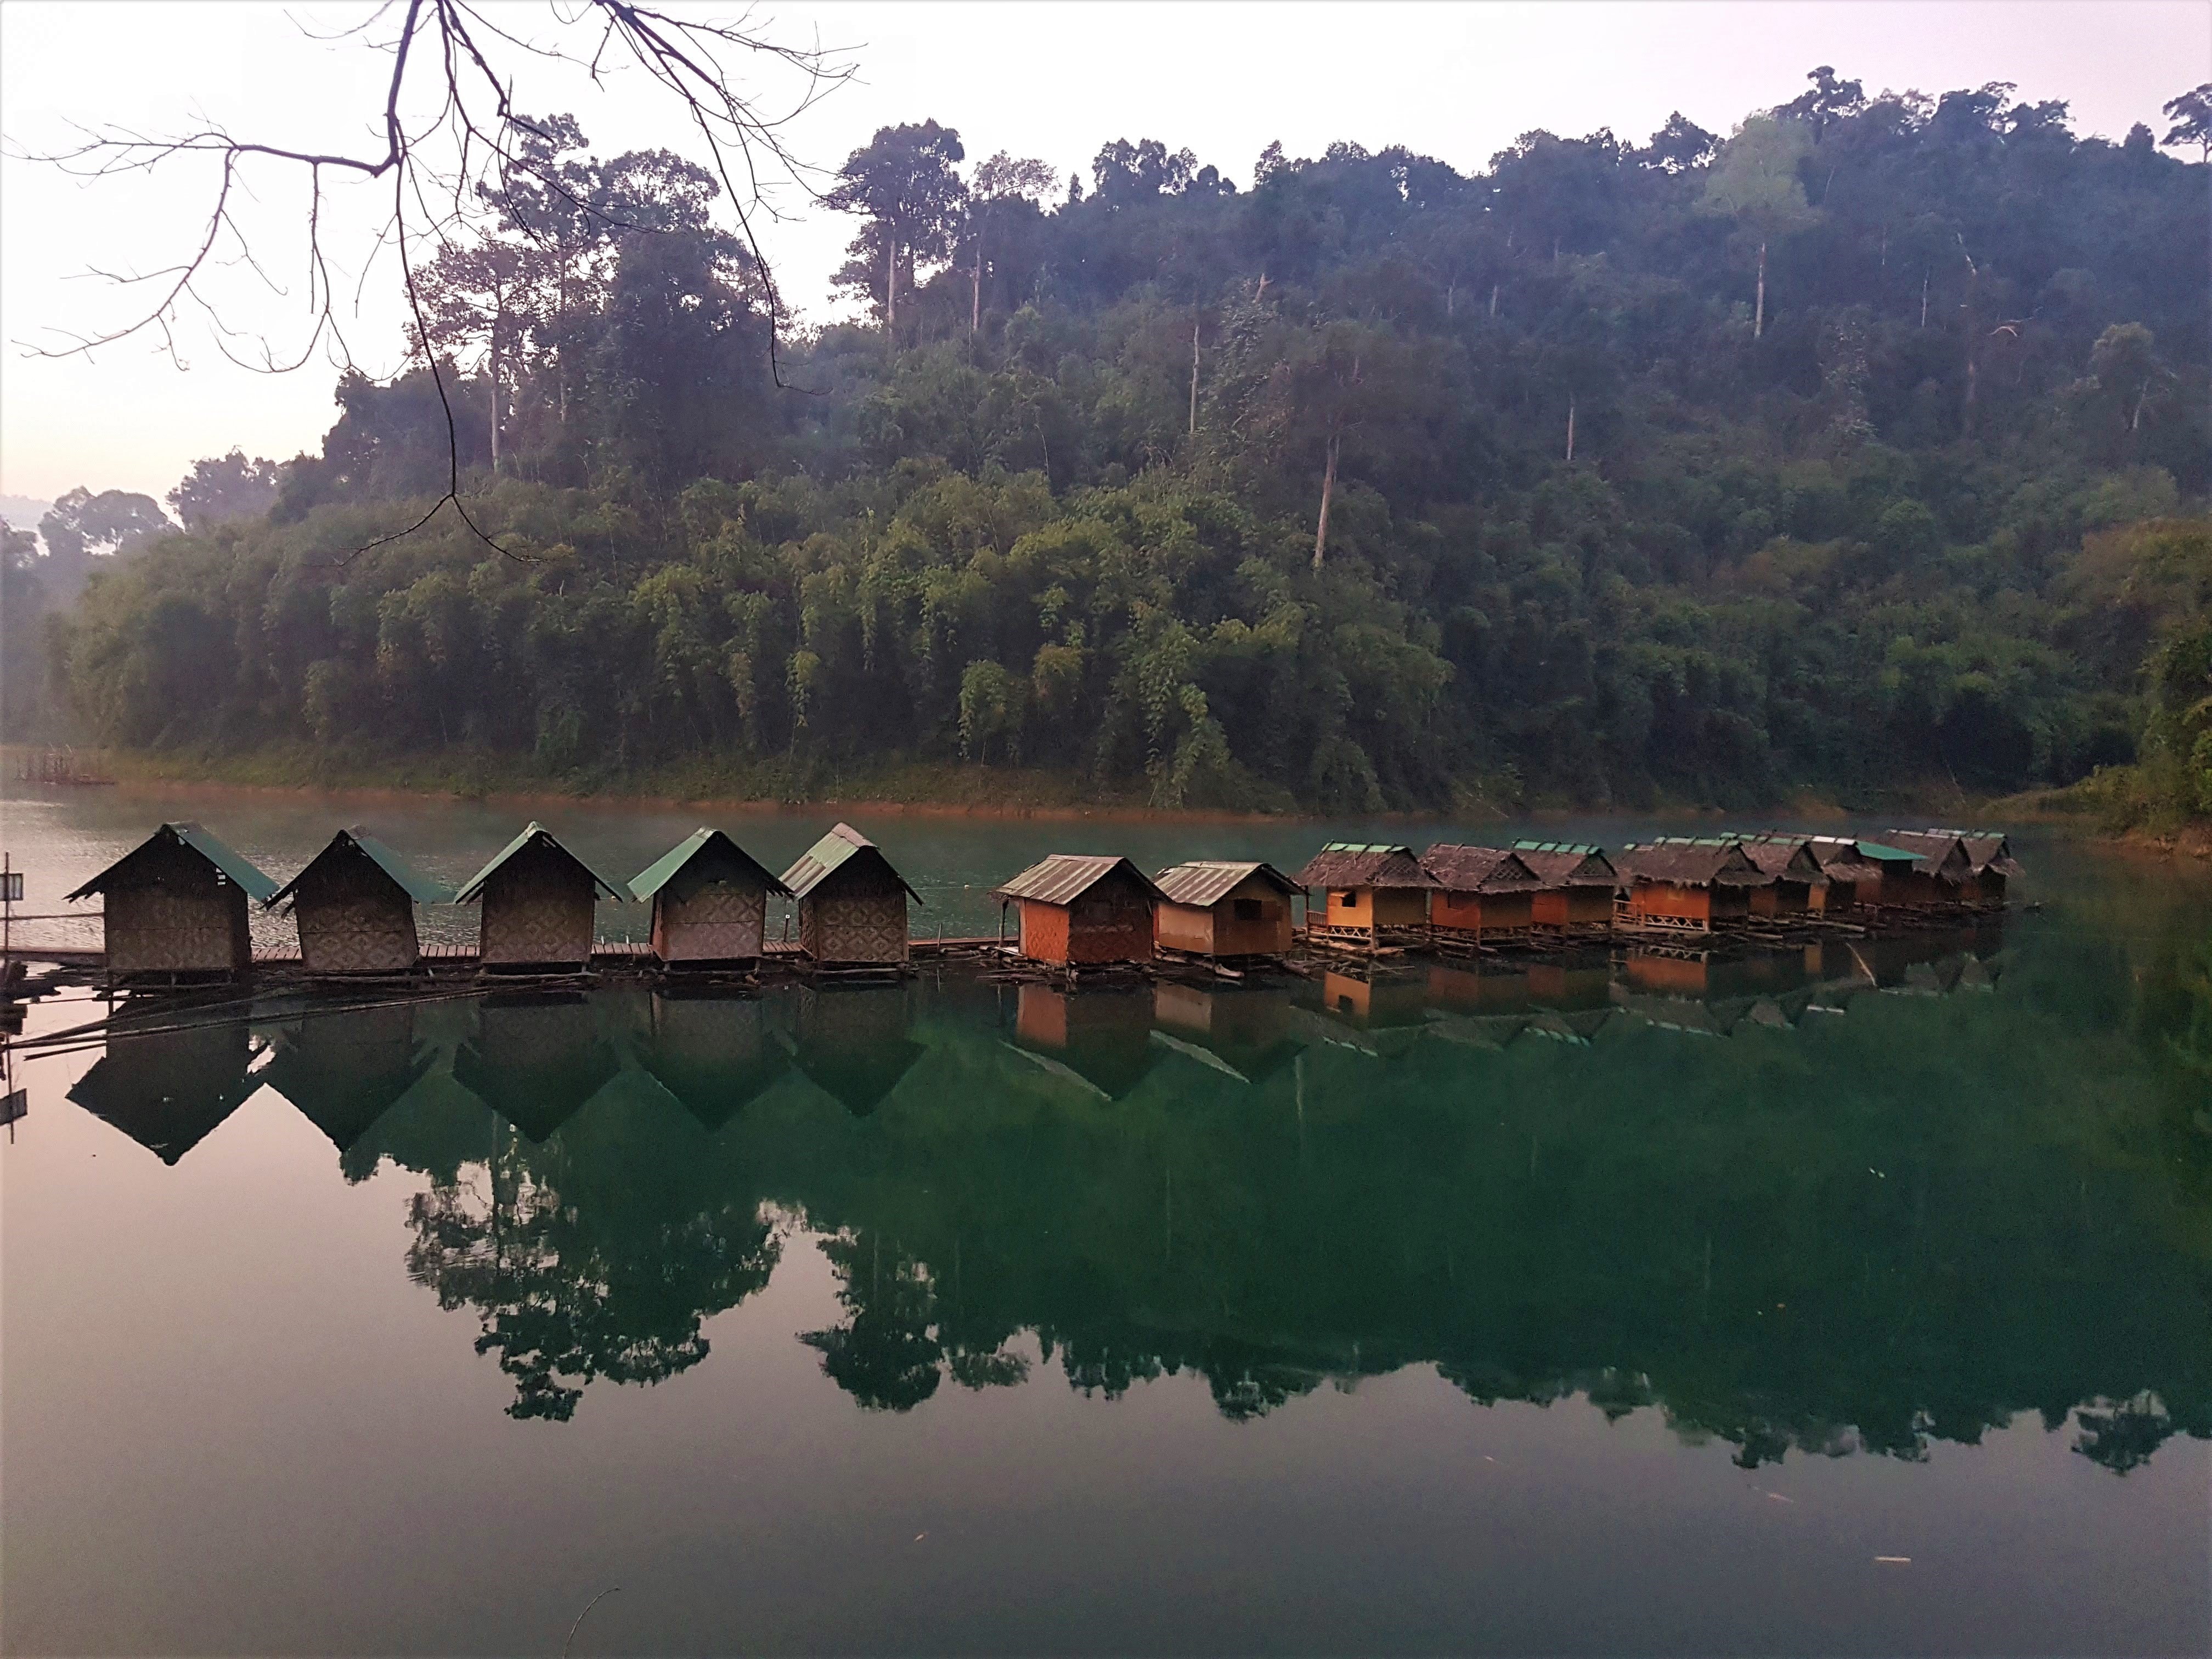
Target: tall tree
1004, 186
904, 184
1755, 181
225, 488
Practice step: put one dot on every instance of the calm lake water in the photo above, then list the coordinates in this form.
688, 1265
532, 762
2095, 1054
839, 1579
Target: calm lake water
1628, 1305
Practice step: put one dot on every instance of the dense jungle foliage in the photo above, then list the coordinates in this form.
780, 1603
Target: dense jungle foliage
1863, 450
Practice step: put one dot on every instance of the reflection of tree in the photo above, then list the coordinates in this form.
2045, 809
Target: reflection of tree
887, 1354
2122, 1436
578, 1277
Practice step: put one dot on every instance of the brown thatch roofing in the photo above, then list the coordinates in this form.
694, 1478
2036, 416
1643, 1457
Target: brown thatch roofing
1064, 878
1355, 864
1986, 849
1202, 883
1567, 864
1702, 863
1786, 857
1840, 859
1461, 869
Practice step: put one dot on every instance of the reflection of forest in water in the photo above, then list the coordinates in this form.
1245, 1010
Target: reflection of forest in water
1858, 1197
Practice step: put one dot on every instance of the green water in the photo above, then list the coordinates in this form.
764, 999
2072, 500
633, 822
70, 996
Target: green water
1638, 1305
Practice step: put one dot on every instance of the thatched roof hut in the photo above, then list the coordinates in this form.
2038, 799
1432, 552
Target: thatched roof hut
1480, 888
355, 904
709, 899
1578, 882
1688, 883
1990, 859
538, 904
851, 903
1371, 888
175, 907
1081, 909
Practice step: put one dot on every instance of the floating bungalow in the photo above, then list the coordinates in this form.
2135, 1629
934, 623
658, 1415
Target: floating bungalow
1577, 883
851, 903
1226, 909
1478, 890
1686, 885
538, 905
1082, 911
1374, 895
1936, 873
1990, 859
175, 907
1789, 860
1847, 875
354, 906
709, 899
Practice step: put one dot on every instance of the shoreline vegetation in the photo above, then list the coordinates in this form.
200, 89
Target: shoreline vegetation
1861, 454
945, 790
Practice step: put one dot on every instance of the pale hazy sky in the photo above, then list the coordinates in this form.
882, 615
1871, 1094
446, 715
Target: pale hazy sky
1456, 81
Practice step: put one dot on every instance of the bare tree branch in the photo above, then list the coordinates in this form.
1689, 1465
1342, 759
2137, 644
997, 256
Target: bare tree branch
454, 143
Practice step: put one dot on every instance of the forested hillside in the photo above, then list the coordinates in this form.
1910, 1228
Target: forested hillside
1862, 451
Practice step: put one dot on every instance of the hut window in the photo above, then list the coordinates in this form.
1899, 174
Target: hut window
1341, 900
1249, 909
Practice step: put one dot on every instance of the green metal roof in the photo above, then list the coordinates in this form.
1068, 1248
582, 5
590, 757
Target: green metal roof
833, 849
1580, 848
233, 865
423, 889
663, 870
472, 889
1874, 849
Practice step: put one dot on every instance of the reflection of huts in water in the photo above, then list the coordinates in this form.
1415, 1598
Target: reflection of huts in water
1571, 984
1246, 1032
1082, 909
175, 907
1699, 1016
1100, 1039
538, 899
715, 1054
1577, 883
1480, 890
354, 905
345, 1072
1687, 885
1990, 860
709, 899
852, 1042
1683, 974
1224, 908
1481, 1009
1373, 894
168, 1092
535, 1058
851, 903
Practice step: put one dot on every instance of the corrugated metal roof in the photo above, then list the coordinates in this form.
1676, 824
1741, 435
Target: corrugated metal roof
1204, 882
1583, 848
234, 865
419, 887
1691, 863
472, 889
1462, 869
1354, 864
831, 853
1064, 878
663, 870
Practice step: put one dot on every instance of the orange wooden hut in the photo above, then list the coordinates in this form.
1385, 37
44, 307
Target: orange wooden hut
1083, 910
1847, 875
1578, 882
1224, 907
1687, 885
1789, 859
1929, 872
1375, 894
1478, 890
